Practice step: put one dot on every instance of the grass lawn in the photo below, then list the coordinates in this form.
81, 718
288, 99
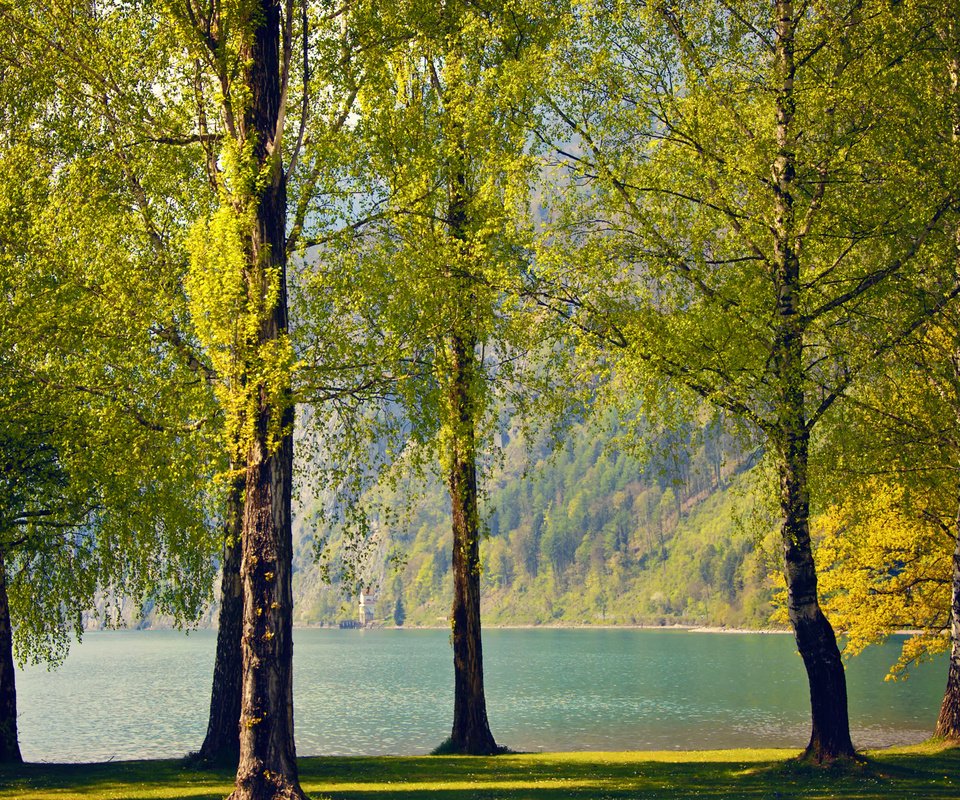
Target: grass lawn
908, 773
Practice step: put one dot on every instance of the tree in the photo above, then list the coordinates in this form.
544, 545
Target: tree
886, 549
766, 185
890, 539
239, 295
399, 612
76, 92
203, 167
443, 118
93, 510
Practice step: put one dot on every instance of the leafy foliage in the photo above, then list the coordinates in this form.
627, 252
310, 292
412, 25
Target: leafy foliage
888, 568
889, 537
95, 395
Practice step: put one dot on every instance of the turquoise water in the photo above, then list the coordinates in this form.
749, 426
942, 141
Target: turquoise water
144, 694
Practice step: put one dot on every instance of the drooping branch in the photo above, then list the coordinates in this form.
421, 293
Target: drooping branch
180, 141
123, 405
174, 337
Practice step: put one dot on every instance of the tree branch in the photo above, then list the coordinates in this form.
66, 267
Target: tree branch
877, 276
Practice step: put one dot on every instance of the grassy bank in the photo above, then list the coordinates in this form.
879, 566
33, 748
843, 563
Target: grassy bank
924, 771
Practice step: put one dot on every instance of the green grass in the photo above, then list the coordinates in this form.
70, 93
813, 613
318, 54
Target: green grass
915, 773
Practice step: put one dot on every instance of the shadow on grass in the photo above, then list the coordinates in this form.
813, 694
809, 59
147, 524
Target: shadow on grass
120, 780
733, 775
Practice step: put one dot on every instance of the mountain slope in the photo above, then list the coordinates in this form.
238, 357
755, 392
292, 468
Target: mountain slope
588, 535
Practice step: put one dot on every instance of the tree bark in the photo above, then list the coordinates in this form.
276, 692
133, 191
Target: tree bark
816, 641
948, 721
222, 742
267, 769
471, 731
9, 744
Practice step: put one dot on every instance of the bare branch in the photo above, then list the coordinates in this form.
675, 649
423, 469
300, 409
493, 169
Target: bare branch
304, 108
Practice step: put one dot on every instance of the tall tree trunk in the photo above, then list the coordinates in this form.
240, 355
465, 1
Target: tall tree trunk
471, 730
9, 745
948, 722
816, 641
268, 767
222, 742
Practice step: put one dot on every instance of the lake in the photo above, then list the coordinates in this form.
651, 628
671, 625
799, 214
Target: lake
145, 694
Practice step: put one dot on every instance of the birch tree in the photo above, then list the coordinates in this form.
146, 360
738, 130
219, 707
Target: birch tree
97, 515
445, 123
765, 189
888, 540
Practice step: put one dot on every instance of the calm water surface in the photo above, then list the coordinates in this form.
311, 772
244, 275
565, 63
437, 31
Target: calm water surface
145, 694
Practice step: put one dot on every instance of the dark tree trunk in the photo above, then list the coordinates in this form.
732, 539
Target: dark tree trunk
9, 746
816, 641
267, 768
222, 742
471, 730
948, 722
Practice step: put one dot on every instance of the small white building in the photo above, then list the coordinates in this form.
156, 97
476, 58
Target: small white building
367, 600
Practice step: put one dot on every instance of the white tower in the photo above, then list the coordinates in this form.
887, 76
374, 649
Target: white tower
367, 600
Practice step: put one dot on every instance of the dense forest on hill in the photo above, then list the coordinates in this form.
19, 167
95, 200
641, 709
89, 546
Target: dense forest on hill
587, 534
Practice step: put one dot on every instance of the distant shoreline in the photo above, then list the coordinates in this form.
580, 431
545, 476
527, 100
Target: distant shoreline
575, 626
680, 628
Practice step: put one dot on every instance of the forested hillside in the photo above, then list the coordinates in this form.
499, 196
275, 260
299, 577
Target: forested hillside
590, 534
